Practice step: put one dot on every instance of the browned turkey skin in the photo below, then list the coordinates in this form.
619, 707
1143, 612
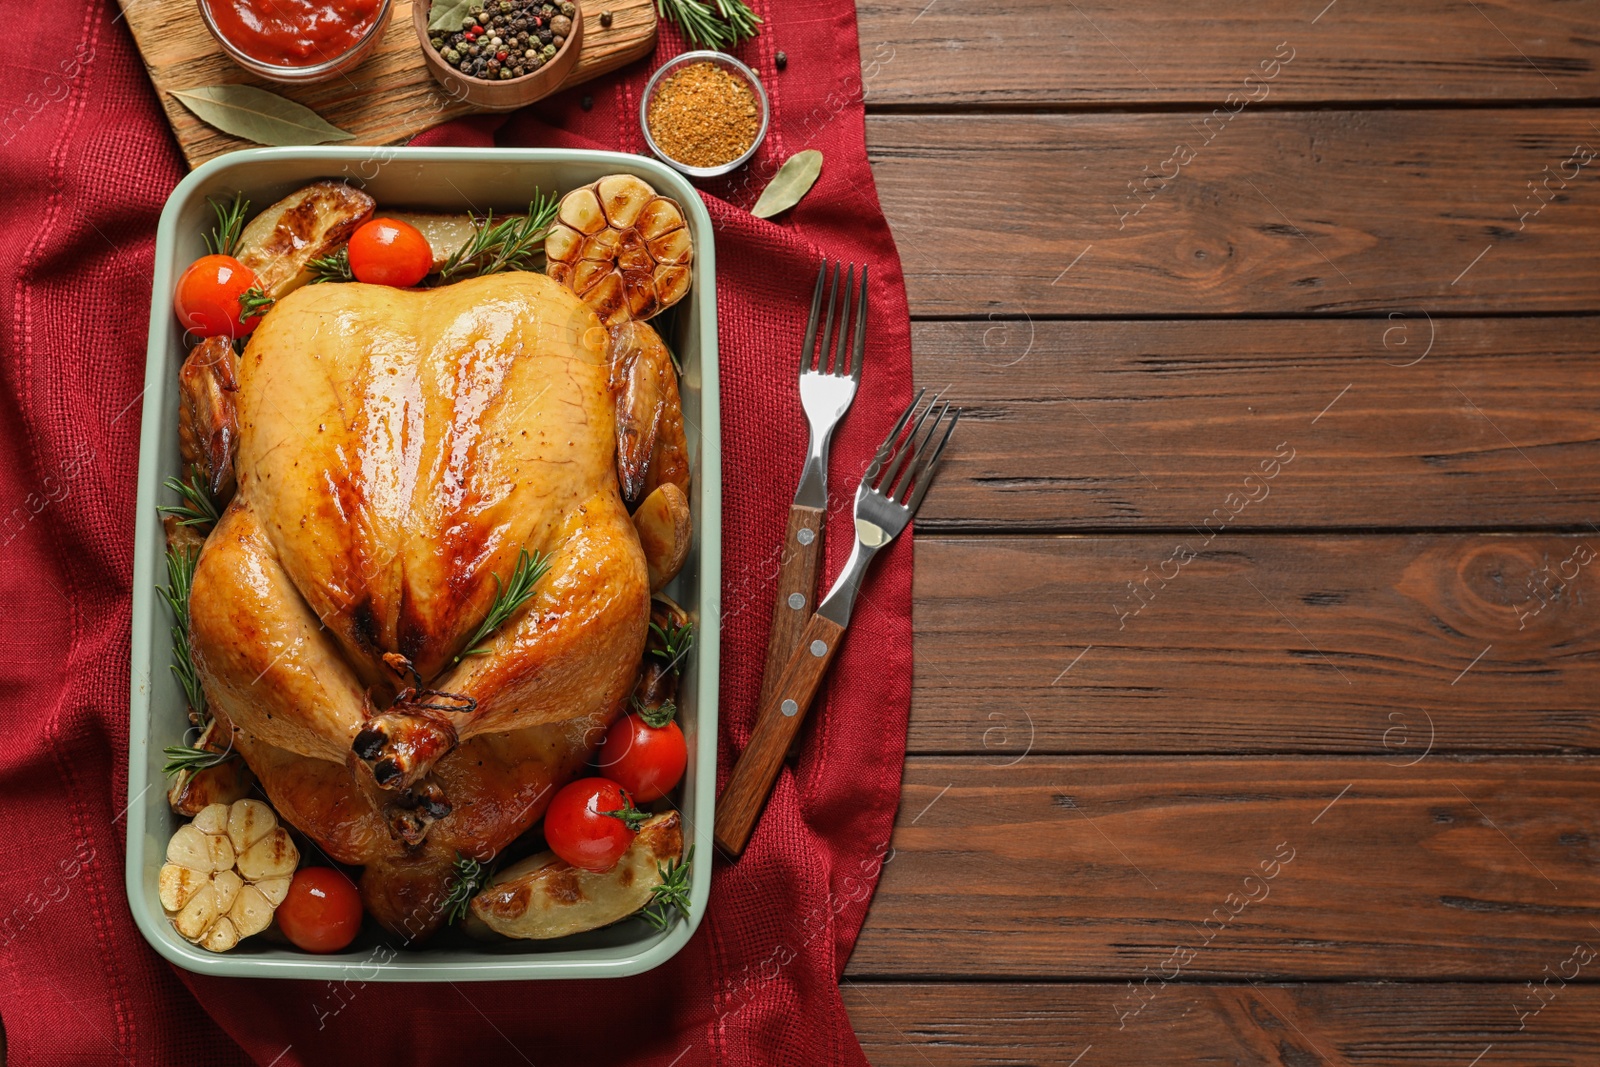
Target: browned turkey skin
396, 451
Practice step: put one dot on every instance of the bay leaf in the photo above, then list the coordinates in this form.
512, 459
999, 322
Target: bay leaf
259, 116
448, 16
793, 180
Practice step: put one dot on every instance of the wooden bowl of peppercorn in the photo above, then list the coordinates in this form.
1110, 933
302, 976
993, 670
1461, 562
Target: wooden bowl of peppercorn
480, 63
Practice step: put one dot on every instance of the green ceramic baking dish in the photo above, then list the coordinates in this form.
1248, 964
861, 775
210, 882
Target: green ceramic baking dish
443, 179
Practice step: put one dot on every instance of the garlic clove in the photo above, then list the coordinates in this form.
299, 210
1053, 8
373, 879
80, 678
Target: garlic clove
623, 197
227, 885
178, 885
192, 849
248, 822
222, 854
212, 819
222, 936
275, 889
251, 912
197, 916
274, 854
580, 209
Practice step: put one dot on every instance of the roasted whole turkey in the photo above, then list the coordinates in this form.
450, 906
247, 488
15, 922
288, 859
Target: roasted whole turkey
398, 454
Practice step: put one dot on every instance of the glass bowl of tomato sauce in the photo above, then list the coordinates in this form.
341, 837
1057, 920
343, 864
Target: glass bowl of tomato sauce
296, 41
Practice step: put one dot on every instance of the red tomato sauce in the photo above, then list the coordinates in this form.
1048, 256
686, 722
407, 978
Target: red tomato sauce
294, 33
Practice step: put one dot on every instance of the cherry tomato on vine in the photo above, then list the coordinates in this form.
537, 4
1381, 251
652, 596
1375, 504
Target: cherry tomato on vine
645, 753
591, 823
208, 297
390, 252
322, 911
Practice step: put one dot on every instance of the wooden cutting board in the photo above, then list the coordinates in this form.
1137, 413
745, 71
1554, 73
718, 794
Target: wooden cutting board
389, 98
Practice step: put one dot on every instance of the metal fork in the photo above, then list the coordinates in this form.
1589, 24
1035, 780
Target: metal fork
829, 374
890, 493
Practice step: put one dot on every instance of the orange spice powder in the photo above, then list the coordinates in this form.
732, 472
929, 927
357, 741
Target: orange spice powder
703, 116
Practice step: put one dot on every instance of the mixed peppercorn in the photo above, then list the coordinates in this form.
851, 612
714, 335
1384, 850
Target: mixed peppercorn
506, 39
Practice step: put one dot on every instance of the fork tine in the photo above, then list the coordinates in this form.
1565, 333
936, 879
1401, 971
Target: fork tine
839, 357
870, 477
908, 451
918, 449
925, 472
858, 348
811, 323
827, 324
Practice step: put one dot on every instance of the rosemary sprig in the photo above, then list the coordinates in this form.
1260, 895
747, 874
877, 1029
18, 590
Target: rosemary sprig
741, 20
508, 597
510, 244
188, 758
180, 577
676, 642
671, 898
656, 717
719, 24
254, 303
630, 816
333, 267
470, 876
197, 507
223, 240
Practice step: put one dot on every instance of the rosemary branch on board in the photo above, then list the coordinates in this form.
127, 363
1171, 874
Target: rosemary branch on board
508, 597
333, 267
223, 240
741, 19
719, 24
470, 876
197, 507
510, 244
671, 898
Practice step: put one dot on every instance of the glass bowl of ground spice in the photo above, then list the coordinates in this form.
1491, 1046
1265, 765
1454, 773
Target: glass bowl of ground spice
704, 113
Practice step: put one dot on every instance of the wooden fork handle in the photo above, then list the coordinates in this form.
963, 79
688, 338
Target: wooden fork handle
777, 722
798, 570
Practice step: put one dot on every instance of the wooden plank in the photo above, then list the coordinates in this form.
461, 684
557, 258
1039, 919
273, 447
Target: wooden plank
1273, 212
1260, 1025
1106, 54
389, 98
1407, 421
1230, 868
1387, 645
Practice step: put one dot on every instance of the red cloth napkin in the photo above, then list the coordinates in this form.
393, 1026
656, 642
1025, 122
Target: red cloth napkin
88, 162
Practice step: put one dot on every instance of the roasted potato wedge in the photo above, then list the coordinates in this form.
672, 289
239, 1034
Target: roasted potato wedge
316, 220
445, 233
544, 897
664, 529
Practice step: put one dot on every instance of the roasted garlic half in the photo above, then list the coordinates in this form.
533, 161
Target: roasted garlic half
621, 247
226, 872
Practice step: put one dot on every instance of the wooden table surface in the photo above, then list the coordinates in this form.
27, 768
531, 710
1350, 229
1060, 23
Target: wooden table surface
1257, 607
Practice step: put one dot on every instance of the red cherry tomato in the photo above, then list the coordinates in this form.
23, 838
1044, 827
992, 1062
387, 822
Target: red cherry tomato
578, 830
207, 297
390, 252
322, 912
645, 760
